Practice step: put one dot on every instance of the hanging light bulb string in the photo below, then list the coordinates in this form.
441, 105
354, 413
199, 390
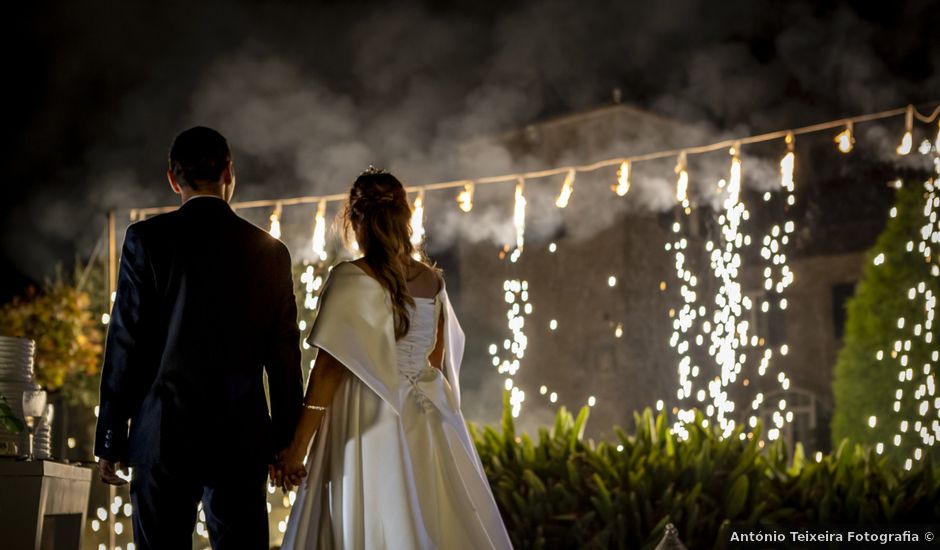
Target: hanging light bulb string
907, 141
623, 179
601, 164
319, 232
417, 221
567, 188
518, 219
465, 198
275, 218
682, 179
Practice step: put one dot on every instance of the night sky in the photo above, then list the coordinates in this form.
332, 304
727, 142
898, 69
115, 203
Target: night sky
310, 93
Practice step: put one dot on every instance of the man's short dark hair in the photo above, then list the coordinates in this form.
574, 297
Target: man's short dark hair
198, 156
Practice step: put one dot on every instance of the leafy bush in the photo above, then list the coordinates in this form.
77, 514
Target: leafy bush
564, 492
8, 418
67, 334
867, 369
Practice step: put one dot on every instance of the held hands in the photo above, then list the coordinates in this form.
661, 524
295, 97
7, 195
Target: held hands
289, 469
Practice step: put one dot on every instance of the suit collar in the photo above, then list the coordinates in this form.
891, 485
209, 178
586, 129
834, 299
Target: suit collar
205, 202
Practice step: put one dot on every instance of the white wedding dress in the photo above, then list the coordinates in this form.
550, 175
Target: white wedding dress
392, 465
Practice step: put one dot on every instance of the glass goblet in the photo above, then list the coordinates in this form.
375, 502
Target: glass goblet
34, 409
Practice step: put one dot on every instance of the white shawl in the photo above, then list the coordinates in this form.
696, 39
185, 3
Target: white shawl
355, 325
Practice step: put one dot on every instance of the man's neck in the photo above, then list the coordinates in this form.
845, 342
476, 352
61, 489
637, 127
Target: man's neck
192, 195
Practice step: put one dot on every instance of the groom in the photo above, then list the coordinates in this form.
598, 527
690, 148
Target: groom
204, 308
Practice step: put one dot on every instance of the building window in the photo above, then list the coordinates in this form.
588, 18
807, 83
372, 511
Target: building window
769, 325
805, 426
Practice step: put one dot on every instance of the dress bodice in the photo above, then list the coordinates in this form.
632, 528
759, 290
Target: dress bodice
414, 347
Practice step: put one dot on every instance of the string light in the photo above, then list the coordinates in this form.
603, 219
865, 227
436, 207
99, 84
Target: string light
566, 189
275, 229
787, 164
730, 327
924, 147
516, 294
726, 329
734, 179
777, 277
319, 232
519, 220
682, 323
465, 198
417, 220
845, 140
312, 282
623, 179
682, 180
916, 406
907, 142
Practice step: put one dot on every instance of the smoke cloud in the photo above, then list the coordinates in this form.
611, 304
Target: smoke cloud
311, 95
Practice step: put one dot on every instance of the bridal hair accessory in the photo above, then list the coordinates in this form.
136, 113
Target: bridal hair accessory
314, 407
372, 171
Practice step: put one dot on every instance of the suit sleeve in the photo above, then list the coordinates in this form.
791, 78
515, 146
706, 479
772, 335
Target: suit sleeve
285, 380
125, 358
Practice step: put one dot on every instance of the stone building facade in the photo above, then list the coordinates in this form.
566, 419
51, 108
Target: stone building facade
602, 284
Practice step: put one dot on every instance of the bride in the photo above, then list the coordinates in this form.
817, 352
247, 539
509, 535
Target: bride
391, 464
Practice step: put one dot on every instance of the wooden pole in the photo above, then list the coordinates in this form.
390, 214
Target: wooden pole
112, 256
112, 287
112, 517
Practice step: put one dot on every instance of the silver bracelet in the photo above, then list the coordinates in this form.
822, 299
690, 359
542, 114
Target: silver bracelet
315, 407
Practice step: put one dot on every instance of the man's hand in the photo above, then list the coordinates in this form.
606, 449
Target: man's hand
289, 470
108, 471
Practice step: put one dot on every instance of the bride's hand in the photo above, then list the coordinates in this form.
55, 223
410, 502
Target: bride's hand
290, 468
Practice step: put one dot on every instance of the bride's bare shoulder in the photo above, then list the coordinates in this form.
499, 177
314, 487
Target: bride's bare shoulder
430, 278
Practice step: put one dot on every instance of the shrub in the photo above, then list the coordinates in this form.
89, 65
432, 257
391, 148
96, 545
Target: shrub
67, 334
867, 369
563, 492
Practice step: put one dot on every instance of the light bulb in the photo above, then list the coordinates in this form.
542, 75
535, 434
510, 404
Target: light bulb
845, 139
417, 220
787, 164
907, 142
519, 214
275, 229
734, 181
623, 179
465, 198
566, 189
682, 180
319, 232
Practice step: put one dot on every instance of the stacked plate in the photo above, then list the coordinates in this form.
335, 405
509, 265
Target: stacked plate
16, 359
16, 377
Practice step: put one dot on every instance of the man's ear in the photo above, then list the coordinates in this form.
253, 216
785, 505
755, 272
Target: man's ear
228, 174
173, 183
228, 182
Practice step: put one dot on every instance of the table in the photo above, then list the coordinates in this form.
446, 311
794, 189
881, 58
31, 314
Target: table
43, 504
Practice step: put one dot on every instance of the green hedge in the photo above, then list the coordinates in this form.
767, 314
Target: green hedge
864, 385
564, 492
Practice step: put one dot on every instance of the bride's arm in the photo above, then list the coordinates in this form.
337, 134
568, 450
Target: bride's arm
325, 377
437, 354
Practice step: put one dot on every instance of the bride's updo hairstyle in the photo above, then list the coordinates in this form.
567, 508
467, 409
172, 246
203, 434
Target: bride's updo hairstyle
379, 215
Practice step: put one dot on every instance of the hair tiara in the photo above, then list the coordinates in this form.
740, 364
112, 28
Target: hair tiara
372, 171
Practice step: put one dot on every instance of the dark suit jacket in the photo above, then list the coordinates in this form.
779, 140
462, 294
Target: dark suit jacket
204, 305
